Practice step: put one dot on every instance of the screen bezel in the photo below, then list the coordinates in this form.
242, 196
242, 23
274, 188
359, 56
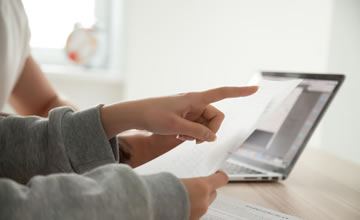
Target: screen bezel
295, 75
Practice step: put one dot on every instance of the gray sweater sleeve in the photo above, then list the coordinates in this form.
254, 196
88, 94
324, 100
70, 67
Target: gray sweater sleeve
71, 142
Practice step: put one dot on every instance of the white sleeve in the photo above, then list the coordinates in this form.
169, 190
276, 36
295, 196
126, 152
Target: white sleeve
14, 45
26, 35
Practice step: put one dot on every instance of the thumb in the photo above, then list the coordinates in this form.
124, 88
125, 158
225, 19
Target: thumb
195, 130
218, 179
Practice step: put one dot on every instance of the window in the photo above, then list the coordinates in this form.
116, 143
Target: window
51, 22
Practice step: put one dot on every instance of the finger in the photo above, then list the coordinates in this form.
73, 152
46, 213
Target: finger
195, 130
211, 118
204, 122
214, 118
212, 197
201, 120
218, 180
214, 95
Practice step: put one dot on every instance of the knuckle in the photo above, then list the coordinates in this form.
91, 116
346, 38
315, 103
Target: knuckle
189, 95
185, 97
189, 100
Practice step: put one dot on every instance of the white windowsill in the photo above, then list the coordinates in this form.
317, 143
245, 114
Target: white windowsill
81, 74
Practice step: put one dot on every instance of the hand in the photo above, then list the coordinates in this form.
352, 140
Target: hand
202, 192
138, 148
187, 115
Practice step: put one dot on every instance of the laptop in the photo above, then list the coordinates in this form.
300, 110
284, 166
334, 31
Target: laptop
271, 151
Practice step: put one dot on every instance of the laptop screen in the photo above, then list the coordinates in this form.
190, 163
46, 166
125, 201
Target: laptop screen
281, 136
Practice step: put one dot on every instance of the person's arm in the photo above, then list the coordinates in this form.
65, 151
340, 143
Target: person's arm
33, 94
76, 142
64, 142
33, 145
108, 192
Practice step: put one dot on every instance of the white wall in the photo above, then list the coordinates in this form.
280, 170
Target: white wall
176, 46
341, 129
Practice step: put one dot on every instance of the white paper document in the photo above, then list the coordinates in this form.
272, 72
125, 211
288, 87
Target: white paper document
241, 118
226, 208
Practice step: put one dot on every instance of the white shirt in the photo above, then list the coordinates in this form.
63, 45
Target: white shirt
14, 45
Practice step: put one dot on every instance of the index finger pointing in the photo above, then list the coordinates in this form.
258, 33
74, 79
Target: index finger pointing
214, 95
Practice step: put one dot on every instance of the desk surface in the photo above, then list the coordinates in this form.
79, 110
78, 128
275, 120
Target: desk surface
321, 186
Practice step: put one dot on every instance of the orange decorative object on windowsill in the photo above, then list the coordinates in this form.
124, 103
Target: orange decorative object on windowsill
81, 45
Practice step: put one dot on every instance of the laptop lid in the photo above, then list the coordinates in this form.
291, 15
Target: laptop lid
281, 137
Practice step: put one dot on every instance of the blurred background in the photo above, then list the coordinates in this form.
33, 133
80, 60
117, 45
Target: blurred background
129, 49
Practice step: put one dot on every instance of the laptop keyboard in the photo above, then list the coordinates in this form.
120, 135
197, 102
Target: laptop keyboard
231, 168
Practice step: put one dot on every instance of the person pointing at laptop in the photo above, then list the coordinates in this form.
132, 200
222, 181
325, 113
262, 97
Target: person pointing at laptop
60, 163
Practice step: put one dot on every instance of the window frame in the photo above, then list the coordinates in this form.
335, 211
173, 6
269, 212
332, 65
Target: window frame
110, 14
